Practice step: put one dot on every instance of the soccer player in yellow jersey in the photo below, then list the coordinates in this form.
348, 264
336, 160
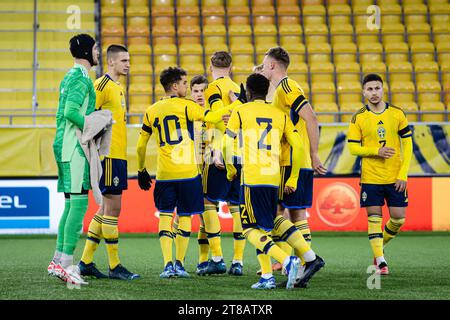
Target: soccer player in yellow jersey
198, 85
289, 98
110, 96
178, 181
215, 184
379, 133
261, 129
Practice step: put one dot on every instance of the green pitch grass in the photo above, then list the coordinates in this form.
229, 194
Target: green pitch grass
418, 263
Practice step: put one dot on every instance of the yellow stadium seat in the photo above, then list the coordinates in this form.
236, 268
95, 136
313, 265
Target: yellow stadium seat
411, 110
400, 71
314, 14
288, 20
190, 49
164, 49
19, 40
443, 50
187, 59
306, 3
344, 52
294, 30
238, 20
239, 30
299, 72
438, 20
326, 107
393, 33
241, 48
402, 92
107, 41
265, 29
214, 30
245, 68
296, 51
428, 91
159, 7
138, 26
391, 13
370, 52
426, 71
16, 21
212, 7
365, 35
422, 51
187, 8
49, 80
288, 8
112, 26
162, 21
112, 8
321, 72
339, 14
323, 92
418, 33
188, 21
54, 60
215, 40
436, 109
211, 48
189, 30
349, 91
319, 52
237, 8
52, 21
141, 63
263, 7
316, 33
16, 60
348, 71
139, 8
341, 33
374, 67
16, 80
445, 71
396, 51
439, 8
415, 13
291, 40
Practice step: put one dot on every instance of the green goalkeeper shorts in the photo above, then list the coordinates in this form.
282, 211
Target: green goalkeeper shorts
73, 175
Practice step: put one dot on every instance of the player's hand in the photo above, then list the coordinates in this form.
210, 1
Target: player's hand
225, 119
400, 185
232, 96
218, 160
290, 186
386, 152
242, 95
231, 172
317, 165
144, 180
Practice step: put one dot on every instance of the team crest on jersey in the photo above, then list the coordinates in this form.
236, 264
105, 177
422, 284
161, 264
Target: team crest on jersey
381, 132
116, 181
364, 196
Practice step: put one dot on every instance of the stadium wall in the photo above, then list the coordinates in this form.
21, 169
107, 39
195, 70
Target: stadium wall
34, 206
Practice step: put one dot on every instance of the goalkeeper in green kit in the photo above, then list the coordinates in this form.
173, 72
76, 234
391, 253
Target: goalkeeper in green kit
76, 101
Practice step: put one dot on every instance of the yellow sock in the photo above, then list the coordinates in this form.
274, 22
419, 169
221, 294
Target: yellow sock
165, 236
391, 229
203, 245
289, 233
239, 239
264, 243
111, 234
93, 239
264, 262
303, 227
375, 235
212, 228
182, 237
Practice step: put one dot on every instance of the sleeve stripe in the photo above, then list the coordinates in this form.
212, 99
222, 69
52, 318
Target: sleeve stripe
146, 128
297, 109
230, 133
355, 141
406, 136
214, 98
206, 112
404, 131
103, 84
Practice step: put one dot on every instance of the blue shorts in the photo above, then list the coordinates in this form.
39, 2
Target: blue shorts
258, 207
216, 186
302, 197
375, 194
115, 176
185, 195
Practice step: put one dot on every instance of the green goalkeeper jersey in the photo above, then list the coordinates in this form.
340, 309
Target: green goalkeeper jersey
76, 100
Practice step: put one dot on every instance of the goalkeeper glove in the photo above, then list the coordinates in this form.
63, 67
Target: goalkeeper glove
144, 180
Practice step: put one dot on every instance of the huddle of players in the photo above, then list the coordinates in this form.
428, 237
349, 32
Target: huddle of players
241, 167
261, 163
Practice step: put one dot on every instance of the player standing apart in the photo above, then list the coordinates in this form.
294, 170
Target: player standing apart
380, 134
76, 101
110, 96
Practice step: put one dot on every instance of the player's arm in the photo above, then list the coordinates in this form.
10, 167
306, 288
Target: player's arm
196, 113
77, 93
228, 144
298, 102
293, 138
406, 140
144, 179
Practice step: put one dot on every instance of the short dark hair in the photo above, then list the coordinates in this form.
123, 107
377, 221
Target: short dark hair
280, 55
221, 59
257, 85
372, 77
198, 79
170, 76
115, 48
